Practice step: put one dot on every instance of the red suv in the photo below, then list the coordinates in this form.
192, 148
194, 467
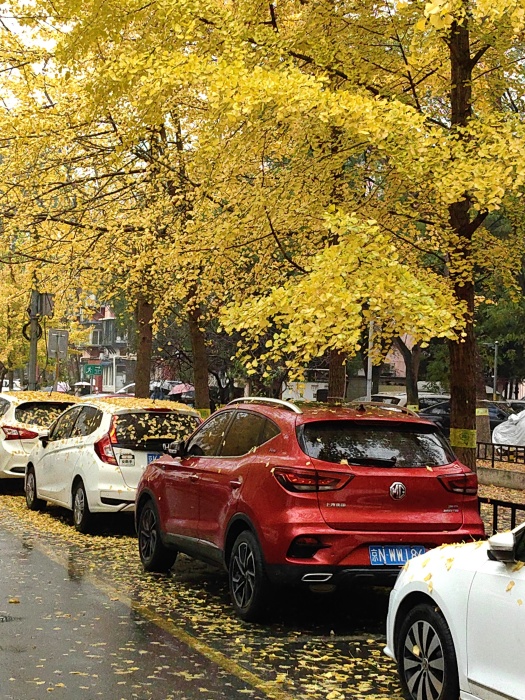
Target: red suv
310, 494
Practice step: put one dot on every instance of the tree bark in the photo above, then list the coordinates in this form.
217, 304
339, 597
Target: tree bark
337, 376
411, 358
200, 360
144, 346
463, 351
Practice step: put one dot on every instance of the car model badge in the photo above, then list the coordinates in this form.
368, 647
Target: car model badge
398, 490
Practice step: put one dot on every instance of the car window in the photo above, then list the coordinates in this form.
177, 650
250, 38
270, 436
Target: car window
427, 401
247, 431
441, 409
41, 413
402, 444
140, 427
385, 398
4, 405
87, 422
206, 441
64, 425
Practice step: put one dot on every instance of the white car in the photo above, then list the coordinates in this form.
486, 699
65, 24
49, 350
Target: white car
93, 456
426, 399
456, 621
24, 415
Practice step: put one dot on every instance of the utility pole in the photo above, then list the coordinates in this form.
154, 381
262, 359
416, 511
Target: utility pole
34, 329
495, 385
369, 362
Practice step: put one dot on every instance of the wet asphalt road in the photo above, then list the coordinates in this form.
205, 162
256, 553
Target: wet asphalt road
79, 618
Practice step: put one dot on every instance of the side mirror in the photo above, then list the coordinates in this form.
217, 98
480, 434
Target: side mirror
176, 448
502, 547
44, 438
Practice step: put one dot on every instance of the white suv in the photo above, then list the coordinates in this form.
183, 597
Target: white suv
94, 454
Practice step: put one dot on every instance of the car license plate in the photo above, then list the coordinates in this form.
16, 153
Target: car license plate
152, 457
394, 555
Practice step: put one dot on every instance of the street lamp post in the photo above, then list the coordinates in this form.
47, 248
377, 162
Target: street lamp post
495, 385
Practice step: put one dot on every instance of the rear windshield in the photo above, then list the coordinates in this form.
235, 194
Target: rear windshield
378, 444
140, 428
41, 413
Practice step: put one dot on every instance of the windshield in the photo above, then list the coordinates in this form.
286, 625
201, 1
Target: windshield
143, 427
40, 413
379, 444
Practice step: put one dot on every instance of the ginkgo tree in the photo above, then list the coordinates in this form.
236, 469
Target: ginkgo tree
314, 127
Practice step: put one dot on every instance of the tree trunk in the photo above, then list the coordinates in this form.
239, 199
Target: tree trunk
411, 358
482, 412
337, 376
144, 347
462, 351
200, 360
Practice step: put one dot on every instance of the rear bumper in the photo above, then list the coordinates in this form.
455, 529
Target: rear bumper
345, 557
115, 502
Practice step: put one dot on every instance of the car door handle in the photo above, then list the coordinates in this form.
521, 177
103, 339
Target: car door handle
236, 483
194, 477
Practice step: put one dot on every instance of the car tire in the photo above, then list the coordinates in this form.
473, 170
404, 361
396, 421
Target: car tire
82, 518
249, 585
154, 555
32, 500
426, 658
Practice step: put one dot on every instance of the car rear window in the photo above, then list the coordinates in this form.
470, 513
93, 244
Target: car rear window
375, 444
142, 427
41, 413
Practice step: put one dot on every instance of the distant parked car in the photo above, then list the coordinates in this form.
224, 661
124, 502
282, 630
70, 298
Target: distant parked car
94, 454
439, 414
517, 406
304, 495
425, 398
456, 621
24, 415
16, 385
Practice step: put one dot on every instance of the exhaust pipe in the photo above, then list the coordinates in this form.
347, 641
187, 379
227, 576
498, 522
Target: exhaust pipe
316, 578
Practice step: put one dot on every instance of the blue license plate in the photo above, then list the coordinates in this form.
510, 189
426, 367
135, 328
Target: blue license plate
394, 554
152, 457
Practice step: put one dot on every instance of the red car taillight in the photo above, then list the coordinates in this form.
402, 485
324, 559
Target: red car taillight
12, 433
113, 431
104, 450
465, 484
305, 481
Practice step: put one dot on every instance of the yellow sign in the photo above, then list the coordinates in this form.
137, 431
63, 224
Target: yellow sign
413, 407
482, 411
461, 437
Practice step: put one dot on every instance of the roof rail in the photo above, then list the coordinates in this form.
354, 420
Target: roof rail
264, 399
388, 406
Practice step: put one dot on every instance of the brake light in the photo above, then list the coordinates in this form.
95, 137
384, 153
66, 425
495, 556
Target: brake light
465, 484
13, 433
104, 450
296, 480
113, 431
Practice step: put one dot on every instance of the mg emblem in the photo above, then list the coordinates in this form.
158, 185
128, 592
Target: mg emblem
398, 490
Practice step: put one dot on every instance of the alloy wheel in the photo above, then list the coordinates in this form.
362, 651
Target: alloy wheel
147, 534
243, 575
30, 488
423, 662
79, 506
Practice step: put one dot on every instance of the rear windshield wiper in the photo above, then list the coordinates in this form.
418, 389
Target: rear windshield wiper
373, 461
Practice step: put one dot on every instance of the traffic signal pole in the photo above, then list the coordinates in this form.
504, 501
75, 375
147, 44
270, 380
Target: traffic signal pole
33, 340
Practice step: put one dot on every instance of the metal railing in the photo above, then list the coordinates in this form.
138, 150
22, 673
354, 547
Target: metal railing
508, 515
500, 453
